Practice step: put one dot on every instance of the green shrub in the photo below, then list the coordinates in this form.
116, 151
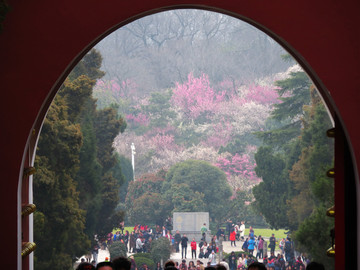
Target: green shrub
160, 249
140, 260
238, 254
117, 249
143, 255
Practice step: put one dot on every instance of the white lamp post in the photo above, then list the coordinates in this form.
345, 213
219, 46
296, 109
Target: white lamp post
133, 158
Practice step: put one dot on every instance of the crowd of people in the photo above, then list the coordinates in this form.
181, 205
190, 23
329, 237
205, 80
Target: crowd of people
253, 247
122, 263
284, 260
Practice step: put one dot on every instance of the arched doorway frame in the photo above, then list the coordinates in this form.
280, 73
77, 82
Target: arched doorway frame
293, 52
307, 68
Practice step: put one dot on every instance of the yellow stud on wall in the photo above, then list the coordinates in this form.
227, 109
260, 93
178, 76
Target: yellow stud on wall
330, 133
29, 171
331, 212
28, 209
27, 248
331, 252
331, 173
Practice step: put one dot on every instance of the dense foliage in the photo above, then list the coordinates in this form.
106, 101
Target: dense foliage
160, 250
141, 259
295, 191
75, 190
201, 178
59, 221
271, 194
117, 249
189, 186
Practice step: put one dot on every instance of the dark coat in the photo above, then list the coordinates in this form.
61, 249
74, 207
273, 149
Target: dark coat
184, 241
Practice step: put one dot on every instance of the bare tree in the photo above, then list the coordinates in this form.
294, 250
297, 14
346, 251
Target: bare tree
161, 49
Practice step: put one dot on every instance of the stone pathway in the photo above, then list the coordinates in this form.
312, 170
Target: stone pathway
101, 257
177, 256
226, 248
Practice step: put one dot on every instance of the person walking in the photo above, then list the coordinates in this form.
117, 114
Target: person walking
289, 254
95, 252
232, 237
237, 231
193, 248
251, 245
184, 242
204, 250
164, 231
139, 245
272, 243
132, 242
282, 245
212, 258
242, 230
251, 232
177, 240
228, 228
126, 240
260, 248
245, 245
232, 261
203, 231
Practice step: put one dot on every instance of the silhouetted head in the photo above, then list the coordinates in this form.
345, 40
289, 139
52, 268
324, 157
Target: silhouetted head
315, 266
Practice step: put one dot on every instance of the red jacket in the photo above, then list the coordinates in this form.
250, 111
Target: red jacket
233, 236
193, 245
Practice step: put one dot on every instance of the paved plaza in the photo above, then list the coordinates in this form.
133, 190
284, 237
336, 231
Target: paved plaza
103, 254
227, 248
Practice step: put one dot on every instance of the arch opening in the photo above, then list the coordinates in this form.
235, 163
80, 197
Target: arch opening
316, 80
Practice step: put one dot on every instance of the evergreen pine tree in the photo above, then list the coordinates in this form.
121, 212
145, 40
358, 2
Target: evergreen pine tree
59, 221
73, 187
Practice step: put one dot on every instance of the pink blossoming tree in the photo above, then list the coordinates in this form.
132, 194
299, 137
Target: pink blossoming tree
214, 115
196, 96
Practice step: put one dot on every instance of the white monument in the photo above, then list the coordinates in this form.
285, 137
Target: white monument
189, 223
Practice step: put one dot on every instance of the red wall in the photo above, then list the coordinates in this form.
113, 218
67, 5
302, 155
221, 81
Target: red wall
42, 39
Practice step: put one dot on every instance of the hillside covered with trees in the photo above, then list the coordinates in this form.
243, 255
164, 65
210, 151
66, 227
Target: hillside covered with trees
191, 84
220, 121
76, 187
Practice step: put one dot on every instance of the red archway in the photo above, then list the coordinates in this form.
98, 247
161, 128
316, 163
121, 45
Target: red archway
42, 40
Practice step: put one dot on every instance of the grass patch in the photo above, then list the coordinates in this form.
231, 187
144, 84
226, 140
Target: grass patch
267, 233
263, 232
130, 229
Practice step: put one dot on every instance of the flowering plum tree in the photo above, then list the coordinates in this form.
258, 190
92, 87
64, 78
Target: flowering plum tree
193, 121
196, 97
239, 170
220, 135
245, 117
263, 94
137, 120
163, 141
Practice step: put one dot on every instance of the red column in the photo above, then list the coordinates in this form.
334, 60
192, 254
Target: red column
345, 203
25, 219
